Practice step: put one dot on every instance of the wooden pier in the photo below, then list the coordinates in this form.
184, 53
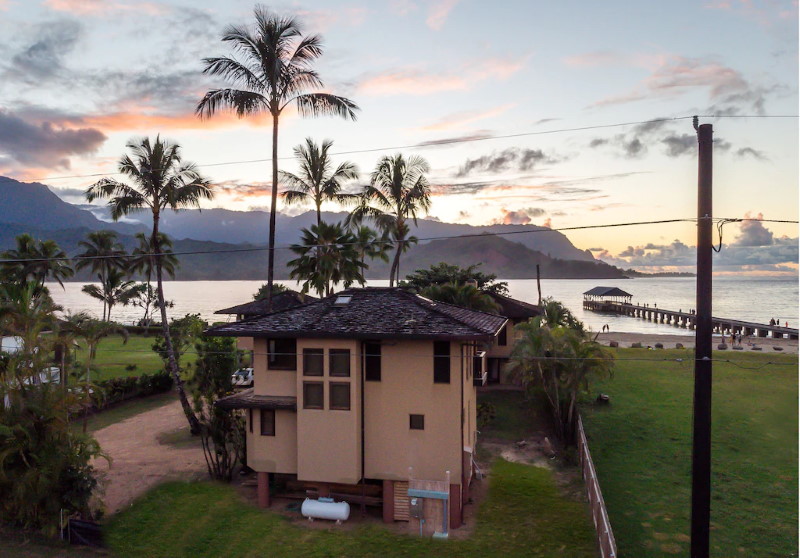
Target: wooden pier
722, 326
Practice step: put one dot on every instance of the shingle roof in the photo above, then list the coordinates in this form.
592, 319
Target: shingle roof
606, 291
371, 313
515, 309
280, 301
247, 399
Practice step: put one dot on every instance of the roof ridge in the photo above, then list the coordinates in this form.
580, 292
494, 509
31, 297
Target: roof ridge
457, 307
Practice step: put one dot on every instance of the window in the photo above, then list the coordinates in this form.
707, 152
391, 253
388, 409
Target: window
416, 422
340, 396
372, 362
339, 362
441, 362
267, 422
502, 337
313, 361
282, 354
313, 397
250, 420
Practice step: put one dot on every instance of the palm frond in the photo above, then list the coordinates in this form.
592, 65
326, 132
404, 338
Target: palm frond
325, 104
241, 102
233, 71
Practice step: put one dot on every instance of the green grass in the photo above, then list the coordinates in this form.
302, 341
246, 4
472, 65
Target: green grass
514, 417
524, 515
641, 445
113, 357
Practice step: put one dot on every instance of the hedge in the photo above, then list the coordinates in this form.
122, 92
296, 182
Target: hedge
116, 390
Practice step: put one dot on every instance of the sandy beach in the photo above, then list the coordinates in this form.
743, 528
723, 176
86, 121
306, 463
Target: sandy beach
767, 345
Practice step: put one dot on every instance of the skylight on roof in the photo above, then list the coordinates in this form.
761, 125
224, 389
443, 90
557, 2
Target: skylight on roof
342, 300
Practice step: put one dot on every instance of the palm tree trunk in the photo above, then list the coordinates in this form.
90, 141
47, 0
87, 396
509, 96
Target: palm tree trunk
272, 209
394, 271
194, 424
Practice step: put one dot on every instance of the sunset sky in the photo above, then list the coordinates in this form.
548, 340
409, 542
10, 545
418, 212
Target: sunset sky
79, 78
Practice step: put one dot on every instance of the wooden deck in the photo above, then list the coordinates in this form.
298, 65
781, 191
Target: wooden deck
688, 320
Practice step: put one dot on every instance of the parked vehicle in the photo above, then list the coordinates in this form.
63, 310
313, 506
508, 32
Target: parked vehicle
242, 377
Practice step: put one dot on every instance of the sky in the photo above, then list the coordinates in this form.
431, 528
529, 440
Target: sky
552, 104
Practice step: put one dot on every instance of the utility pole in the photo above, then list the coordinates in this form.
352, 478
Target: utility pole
701, 440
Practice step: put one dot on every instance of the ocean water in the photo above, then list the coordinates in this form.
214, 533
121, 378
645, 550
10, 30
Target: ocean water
755, 299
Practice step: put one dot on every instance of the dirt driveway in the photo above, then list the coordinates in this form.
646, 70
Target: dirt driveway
140, 461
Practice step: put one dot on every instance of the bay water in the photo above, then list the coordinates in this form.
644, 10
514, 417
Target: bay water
753, 299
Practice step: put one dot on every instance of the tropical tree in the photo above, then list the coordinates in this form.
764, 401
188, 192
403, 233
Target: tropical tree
370, 245
398, 190
145, 296
161, 181
317, 180
102, 253
263, 291
273, 70
114, 289
326, 257
36, 260
467, 296
443, 273
560, 362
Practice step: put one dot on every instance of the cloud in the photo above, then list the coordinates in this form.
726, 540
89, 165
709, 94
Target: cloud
753, 232
754, 153
458, 189
438, 12
402, 7
414, 81
321, 21
519, 216
461, 119
238, 192
680, 145
545, 120
676, 75
593, 59
45, 145
454, 140
513, 157
105, 8
42, 56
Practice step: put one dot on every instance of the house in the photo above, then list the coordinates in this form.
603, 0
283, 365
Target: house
517, 311
280, 301
369, 389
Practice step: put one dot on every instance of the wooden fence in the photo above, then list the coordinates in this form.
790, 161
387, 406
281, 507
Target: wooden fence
605, 536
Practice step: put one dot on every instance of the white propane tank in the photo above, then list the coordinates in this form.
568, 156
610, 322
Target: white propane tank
325, 508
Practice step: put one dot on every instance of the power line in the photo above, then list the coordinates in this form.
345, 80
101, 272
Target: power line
434, 143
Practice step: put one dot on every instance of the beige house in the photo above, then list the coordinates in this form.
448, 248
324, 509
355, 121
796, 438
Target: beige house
360, 393
517, 311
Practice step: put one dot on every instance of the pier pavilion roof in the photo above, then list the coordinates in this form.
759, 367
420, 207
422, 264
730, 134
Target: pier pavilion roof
607, 291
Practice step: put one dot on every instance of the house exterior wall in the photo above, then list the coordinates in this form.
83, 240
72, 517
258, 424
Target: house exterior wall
271, 382
504, 351
407, 387
329, 447
273, 454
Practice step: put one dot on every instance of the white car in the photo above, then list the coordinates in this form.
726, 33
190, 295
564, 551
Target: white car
243, 377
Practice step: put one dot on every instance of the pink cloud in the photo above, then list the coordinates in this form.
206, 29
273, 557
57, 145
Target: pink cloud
4, 5
322, 20
461, 119
402, 7
104, 8
438, 12
413, 81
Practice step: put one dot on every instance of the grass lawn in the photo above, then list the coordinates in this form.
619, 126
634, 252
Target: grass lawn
113, 357
524, 515
641, 446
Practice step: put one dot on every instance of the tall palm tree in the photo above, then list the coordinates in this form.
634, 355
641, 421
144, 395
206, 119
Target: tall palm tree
101, 253
317, 181
327, 257
274, 71
397, 191
36, 260
161, 181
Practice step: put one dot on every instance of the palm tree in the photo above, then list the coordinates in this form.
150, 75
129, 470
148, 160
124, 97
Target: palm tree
327, 257
275, 71
398, 190
161, 181
369, 245
37, 260
101, 253
317, 181
113, 290
142, 262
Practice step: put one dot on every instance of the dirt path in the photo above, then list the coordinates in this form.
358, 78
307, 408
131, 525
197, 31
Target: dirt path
140, 461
